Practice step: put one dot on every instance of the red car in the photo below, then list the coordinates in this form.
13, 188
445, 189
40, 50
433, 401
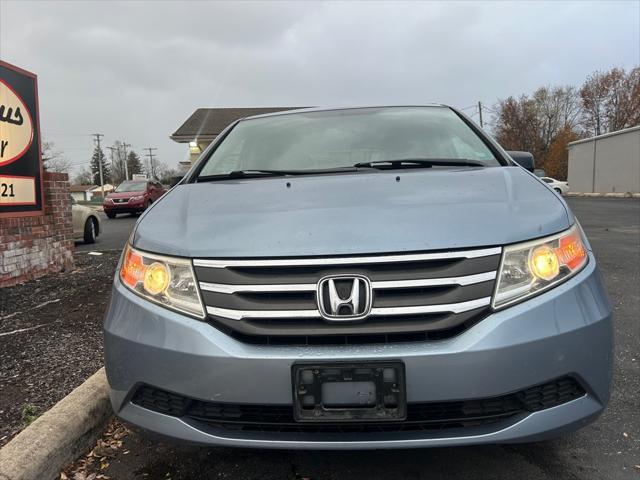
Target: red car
132, 196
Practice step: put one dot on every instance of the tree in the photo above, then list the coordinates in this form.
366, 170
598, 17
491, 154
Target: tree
537, 123
517, 125
166, 175
85, 177
133, 163
97, 157
557, 159
54, 160
557, 108
117, 162
610, 101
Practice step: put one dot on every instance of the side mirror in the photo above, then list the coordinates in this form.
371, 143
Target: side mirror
524, 159
175, 180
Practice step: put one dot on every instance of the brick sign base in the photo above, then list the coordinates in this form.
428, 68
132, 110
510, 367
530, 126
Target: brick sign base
31, 247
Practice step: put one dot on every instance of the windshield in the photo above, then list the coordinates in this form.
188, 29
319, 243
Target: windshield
131, 187
342, 138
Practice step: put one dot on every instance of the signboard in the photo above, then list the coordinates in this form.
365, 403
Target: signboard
20, 157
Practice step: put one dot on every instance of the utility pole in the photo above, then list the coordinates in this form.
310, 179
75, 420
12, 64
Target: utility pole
480, 113
151, 166
97, 140
126, 166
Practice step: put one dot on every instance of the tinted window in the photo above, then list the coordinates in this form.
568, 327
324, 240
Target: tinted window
340, 138
547, 180
132, 187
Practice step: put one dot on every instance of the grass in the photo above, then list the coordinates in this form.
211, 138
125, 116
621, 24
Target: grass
29, 413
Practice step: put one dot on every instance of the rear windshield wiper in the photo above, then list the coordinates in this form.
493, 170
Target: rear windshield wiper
420, 163
254, 173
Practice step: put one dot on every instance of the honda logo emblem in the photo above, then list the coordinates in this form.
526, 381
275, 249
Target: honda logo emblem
344, 297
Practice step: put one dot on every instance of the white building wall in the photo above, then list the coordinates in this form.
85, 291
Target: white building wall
607, 163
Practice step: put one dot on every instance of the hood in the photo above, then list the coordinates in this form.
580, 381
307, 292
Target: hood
361, 213
125, 194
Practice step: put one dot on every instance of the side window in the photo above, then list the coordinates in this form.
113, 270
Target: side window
547, 180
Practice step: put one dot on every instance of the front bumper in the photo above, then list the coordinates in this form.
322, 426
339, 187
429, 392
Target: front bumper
127, 207
566, 331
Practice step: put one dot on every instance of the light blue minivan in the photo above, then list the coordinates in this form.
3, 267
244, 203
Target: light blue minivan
349, 278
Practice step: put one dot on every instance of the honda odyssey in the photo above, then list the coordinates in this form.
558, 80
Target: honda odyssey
380, 277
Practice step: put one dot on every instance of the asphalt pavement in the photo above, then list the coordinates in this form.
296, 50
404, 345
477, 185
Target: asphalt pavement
114, 233
606, 449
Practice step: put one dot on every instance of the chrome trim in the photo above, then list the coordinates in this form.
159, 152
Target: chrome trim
353, 301
242, 314
415, 257
380, 311
451, 307
436, 282
230, 289
311, 287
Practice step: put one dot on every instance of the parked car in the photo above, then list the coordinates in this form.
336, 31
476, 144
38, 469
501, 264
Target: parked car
132, 196
557, 185
86, 223
383, 277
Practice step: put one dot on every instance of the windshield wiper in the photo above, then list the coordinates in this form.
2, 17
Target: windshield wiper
256, 173
420, 163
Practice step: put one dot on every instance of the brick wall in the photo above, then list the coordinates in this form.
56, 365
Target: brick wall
31, 247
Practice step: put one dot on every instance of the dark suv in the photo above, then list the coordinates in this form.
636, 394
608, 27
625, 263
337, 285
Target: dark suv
132, 196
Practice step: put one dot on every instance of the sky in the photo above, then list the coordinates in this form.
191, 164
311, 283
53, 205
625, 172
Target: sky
134, 71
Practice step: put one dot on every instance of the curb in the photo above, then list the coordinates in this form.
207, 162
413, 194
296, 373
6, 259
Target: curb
607, 195
60, 435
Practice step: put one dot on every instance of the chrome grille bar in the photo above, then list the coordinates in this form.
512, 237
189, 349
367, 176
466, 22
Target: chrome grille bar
379, 311
311, 287
291, 262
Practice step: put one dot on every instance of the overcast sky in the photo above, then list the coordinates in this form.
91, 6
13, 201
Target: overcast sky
136, 70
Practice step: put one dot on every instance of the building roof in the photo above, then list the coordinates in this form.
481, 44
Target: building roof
207, 123
80, 188
107, 187
604, 135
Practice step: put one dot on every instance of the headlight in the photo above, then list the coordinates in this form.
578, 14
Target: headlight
533, 267
168, 281
137, 198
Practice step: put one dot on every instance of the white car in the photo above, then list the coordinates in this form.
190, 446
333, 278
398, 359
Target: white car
557, 185
86, 224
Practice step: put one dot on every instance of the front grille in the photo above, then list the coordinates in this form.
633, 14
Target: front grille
416, 297
420, 416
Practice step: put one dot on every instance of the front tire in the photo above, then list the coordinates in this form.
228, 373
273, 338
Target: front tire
110, 214
90, 231
558, 191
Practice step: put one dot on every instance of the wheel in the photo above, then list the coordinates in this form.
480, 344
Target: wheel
89, 231
558, 191
110, 214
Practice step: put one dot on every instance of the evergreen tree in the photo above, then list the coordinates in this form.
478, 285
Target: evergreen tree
133, 163
98, 155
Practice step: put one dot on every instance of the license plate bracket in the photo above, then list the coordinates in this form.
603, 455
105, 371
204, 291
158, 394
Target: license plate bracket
349, 392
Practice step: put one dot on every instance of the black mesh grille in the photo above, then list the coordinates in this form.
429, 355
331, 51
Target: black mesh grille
420, 417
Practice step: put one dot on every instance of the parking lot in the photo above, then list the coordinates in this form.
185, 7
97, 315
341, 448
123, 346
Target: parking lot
607, 449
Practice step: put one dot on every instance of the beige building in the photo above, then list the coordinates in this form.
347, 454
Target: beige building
205, 124
606, 163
